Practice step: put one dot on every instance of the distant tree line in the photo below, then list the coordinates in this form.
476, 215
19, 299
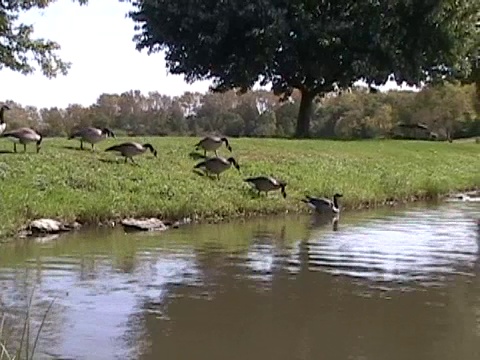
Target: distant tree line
307, 47
436, 112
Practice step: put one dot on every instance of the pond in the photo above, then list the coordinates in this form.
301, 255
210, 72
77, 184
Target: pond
387, 284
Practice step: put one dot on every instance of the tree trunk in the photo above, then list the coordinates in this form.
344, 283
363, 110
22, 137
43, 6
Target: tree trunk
477, 87
304, 115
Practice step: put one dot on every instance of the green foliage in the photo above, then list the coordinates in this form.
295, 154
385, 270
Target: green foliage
18, 50
308, 45
62, 182
447, 110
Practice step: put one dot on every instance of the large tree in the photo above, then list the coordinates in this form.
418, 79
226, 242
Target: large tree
19, 51
312, 46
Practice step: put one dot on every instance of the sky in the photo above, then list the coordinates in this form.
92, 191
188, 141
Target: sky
97, 40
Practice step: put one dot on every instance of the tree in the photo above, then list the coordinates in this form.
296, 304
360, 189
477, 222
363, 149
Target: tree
17, 47
55, 123
445, 108
312, 46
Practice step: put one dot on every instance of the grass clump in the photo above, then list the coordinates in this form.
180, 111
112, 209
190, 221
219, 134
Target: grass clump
63, 182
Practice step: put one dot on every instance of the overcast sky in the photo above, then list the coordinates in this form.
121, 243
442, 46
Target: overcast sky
97, 39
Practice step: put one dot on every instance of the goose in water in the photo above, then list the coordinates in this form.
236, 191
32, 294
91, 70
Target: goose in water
23, 136
466, 197
131, 149
266, 184
217, 165
91, 135
212, 143
3, 126
323, 204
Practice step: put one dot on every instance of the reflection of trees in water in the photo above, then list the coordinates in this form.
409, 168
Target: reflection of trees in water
478, 231
232, 310
309, 315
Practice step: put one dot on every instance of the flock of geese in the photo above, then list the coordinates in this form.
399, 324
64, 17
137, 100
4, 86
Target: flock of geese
210, 166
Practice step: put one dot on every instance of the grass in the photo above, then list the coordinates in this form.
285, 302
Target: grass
64, 182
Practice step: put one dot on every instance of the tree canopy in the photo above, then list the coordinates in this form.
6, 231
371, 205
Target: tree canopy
312, 46
438, 112
19, 51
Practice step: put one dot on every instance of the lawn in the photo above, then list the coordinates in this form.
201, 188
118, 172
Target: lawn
64, 182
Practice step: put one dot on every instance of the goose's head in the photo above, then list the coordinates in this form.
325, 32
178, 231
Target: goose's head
225, 140
337, 195
5, 107
232, 161
152, 149
283, 184
108, 132
39, 142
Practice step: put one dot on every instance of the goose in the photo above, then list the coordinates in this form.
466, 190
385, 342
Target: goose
131, 149
91, 135
212, 143
3, 126
467, 197
267, 183
23, 136
217, 165
323, 204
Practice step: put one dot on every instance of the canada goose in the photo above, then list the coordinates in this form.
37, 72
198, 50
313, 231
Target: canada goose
23, 136
217, 165
212, 143
267, 183
91, 135
322, 204
131, 149
3, 126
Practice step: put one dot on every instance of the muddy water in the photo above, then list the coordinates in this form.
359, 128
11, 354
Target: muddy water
394, 284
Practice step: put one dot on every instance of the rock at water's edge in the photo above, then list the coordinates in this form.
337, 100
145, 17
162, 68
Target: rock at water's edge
49, 226
152, 224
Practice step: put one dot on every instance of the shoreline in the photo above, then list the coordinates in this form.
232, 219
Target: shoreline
304, 210
95, 187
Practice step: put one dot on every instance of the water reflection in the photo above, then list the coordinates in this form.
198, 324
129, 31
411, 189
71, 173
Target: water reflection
285, 288
413, 246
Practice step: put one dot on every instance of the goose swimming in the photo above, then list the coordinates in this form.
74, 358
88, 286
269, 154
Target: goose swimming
323, 204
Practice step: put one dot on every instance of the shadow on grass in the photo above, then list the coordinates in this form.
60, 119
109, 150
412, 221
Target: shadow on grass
111, 161
196, 156
118, 161
201, 173
76, 148
8, 152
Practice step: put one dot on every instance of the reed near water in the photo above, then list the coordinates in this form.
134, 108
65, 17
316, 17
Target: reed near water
22, 345
67, 183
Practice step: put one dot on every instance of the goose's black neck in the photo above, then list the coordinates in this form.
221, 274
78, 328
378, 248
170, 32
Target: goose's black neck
335, 202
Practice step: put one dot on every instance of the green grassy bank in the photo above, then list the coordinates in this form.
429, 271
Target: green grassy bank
64, 182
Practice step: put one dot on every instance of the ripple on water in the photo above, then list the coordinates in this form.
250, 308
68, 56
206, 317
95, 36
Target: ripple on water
420, 246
